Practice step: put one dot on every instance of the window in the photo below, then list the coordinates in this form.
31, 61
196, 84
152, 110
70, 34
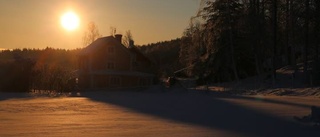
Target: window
115, 81
143, 82
110, 65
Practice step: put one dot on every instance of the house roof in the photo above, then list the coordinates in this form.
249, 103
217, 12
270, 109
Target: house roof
101, 42
110, 39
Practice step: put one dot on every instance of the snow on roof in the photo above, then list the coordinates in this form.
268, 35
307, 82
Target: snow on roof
96, 44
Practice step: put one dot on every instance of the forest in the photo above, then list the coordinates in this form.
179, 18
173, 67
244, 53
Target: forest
41, 69
227, 40
234, 39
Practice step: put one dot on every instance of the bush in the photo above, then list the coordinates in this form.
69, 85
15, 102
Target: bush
16, 75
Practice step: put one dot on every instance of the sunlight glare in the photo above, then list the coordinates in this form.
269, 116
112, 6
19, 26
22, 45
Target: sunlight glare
69, 21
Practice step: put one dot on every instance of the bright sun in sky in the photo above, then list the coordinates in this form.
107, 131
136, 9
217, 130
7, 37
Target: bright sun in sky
69, 21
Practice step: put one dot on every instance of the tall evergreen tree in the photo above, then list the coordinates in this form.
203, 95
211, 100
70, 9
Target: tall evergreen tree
221, 23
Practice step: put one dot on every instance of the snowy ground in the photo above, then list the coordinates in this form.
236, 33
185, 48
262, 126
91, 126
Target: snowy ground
135, 114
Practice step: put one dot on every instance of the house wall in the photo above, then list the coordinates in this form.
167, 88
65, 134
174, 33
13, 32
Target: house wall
84, 81
112, 56
117, 56
83, 63
141, 63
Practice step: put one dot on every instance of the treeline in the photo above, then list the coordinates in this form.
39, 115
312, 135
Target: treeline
165, 56
233, 39
34, 69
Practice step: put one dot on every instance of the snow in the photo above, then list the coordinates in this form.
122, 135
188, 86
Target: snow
185, 113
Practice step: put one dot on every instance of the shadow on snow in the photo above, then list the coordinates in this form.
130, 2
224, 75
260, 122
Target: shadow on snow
206, 110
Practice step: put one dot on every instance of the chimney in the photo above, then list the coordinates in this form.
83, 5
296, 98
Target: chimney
118, 37
131, 43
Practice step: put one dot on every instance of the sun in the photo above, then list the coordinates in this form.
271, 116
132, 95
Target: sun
69, 21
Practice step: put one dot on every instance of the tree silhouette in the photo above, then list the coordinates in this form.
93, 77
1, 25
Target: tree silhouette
91, 34
127, 38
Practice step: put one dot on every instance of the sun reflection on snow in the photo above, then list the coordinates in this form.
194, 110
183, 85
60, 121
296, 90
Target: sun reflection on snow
48, 93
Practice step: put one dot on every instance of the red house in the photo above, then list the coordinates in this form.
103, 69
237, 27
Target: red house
106, 63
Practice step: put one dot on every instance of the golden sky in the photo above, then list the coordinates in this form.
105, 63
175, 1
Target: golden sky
36, 23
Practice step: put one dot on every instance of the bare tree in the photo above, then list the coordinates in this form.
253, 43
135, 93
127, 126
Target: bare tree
91, 34
127, 37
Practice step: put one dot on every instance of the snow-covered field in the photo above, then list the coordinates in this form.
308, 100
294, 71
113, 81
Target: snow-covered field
163, 114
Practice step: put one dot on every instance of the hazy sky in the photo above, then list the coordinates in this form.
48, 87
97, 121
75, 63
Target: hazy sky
36, 23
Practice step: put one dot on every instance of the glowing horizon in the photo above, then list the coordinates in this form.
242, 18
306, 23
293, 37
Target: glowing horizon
37, 23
